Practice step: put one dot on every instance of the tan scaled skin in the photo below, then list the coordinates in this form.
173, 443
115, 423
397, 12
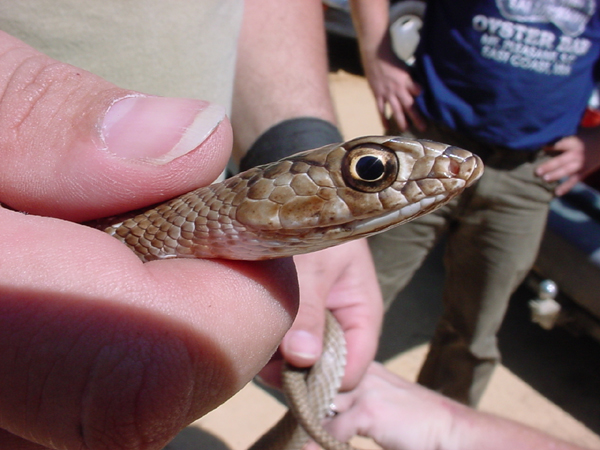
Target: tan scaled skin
307, 202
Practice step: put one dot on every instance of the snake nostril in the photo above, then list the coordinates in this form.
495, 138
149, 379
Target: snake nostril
454, 167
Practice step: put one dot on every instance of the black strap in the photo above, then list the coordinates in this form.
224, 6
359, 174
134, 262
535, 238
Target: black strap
289, 137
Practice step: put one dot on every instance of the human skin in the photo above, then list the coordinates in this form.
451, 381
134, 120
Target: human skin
400, 415
99, 350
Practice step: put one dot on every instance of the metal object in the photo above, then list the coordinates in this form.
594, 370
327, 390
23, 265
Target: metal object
545, 310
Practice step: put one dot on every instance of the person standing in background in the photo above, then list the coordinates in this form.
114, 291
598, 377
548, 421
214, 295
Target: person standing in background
508, 81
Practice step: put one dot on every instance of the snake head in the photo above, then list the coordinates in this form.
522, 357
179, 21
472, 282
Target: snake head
344, 191
306, 202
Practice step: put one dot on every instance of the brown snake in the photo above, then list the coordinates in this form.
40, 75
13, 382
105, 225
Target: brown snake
300, 204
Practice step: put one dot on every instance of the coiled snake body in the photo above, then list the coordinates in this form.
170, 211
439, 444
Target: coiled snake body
303, 203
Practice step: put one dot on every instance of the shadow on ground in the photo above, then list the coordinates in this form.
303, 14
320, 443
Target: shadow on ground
195, 438
564, 368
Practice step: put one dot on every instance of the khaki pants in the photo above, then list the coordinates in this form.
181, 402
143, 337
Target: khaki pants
493, 235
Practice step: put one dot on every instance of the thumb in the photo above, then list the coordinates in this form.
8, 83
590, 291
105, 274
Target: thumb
77, 147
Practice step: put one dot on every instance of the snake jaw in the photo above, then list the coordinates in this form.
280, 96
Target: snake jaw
366, 228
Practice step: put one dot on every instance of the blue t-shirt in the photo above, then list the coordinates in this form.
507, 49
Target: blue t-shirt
516, 73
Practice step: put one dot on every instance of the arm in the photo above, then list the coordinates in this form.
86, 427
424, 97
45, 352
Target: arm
281, 70
390, 82
100, 350
578, 156
282, 74
400, 415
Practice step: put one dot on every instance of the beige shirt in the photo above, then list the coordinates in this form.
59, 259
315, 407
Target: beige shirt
169, 48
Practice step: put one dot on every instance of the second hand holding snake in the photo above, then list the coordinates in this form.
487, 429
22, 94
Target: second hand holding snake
300, 204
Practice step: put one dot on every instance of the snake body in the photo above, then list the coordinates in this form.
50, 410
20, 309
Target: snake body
303, 203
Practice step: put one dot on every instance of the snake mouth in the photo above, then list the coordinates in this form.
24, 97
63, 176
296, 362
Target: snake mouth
368, 227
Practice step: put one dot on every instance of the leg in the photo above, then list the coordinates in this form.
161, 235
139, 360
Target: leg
490, 249
399, 252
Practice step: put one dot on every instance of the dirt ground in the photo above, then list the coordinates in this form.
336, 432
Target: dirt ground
237, 423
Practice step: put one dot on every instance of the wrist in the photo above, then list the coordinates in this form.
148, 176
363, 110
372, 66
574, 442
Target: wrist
457, 427
289, 137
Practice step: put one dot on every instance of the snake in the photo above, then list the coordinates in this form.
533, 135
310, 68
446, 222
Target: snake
306, 202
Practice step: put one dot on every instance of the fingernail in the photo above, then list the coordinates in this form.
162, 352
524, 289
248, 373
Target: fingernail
303, 345
158, 129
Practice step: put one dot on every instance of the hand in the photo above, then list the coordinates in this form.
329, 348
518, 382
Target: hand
392, 85
399, 415
578, 156
341, 279
566, 164
100, 350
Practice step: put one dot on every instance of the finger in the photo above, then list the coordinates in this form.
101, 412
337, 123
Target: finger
358, 306
414, 88
398, 113
548, 166
561, 168
345, 427
567, 185
401, 122
560, 172
377, 379
311, 446
407, 100
382, 110
417, 119
361, 325
75, 146
570, 159
344, 401
341, 279
118, 346
302, 345
553, 164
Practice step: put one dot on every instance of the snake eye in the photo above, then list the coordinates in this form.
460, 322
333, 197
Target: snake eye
370, 168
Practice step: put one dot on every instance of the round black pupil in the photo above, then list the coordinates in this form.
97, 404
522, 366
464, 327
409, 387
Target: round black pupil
370, 168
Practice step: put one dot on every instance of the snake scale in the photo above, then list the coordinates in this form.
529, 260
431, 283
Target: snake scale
306, 202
